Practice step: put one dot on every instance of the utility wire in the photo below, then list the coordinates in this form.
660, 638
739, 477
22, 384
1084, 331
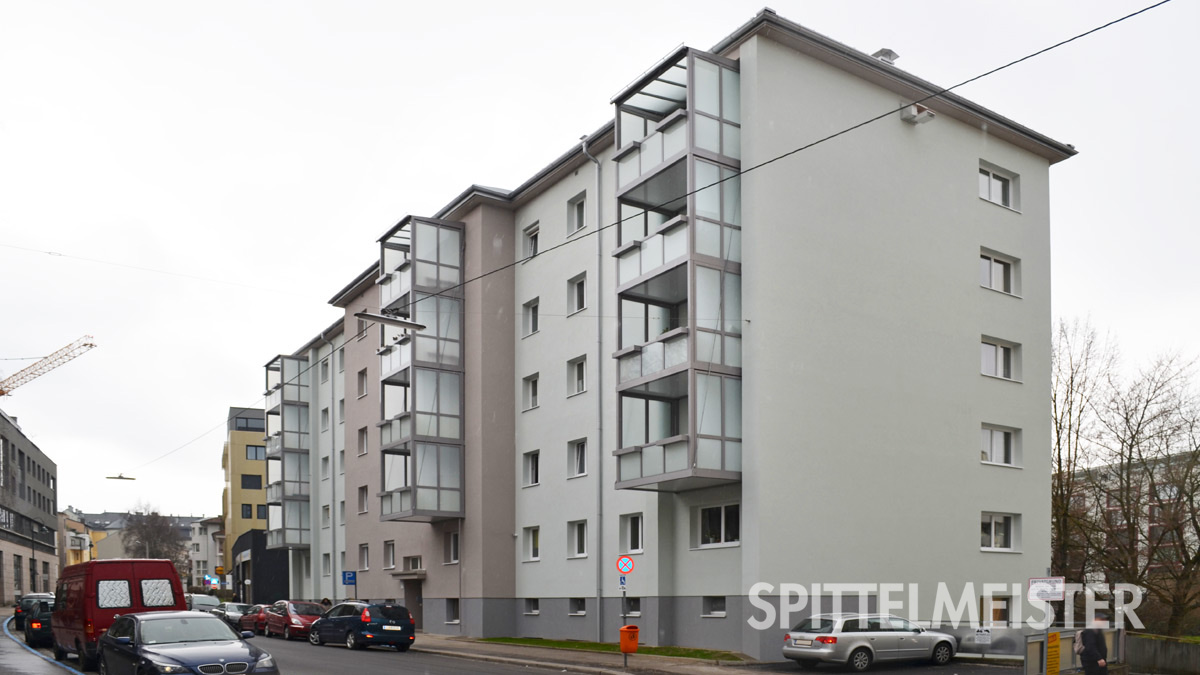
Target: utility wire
735, 174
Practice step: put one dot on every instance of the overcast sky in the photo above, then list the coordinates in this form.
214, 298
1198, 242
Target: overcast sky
207, 175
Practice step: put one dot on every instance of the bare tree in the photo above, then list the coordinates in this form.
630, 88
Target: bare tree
1082, 369
150, 534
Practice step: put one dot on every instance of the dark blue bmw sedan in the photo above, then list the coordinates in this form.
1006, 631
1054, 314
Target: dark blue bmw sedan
178, 642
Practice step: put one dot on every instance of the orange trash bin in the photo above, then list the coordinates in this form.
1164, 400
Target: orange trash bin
629, 639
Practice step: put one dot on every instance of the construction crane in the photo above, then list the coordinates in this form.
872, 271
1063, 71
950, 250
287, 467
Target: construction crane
46, 365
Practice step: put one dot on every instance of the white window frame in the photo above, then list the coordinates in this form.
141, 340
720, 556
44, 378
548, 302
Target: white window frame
326, 516
452, 611
364, 385
531, 543
413, 563
994, 437
992, 519
532, 607
577, 213
531, 468
364, 557
530, 241
325, 369
363, 439
698, 527
324, 419
450, 551
989, 261
341, 411
531, 321
577, 376
530, 392
364, 499
577, 465
713, 606
577, 541
997, 356
577, 607
577, 294
992, 177
633, 606
389, 555
326, 565
633, 524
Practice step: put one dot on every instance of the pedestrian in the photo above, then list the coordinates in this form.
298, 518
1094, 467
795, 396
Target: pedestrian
1095, 650
326, 603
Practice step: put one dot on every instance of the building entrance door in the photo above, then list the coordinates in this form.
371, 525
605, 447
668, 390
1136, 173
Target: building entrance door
413, 600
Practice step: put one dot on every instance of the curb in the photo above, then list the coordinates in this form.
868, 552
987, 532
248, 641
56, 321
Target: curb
593, 670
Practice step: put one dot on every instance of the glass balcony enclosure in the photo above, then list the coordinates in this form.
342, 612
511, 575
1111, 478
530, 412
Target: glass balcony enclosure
421, 425
287, 428
679, 275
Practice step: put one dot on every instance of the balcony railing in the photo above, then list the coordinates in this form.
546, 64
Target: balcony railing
642, 157
421, 504
395, 286
290, 537
394, 360
653, 357
668, 465
654, 459
274, 399
643, 257
395, 431
287, 489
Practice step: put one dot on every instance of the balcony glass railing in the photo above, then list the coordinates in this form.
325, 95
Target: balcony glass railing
395, 431
288, 537
394, 286
405, 500
288, 489
653, 151
653, 252
274, 445
274, 398
652, 460
295, 440
395, 358
653, 358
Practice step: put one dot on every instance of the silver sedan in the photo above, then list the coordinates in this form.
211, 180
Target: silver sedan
858, 640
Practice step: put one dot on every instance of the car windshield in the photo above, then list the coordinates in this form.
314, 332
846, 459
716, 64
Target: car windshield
814, 624
204, 601
307, 608
240, 609
199, 629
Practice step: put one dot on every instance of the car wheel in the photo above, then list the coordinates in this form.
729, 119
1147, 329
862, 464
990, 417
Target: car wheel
287, 632
313, 638
859, 660
941, 653
352, 641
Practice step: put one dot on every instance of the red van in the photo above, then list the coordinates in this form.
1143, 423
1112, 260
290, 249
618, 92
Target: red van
91, 594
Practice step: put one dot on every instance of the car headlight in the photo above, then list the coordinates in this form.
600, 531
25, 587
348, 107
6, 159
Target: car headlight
296, 622
265, 661
167, 668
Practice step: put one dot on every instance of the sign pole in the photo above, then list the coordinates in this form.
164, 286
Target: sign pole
624, 607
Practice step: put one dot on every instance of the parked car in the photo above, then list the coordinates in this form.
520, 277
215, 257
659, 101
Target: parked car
231, 612
200, 602
22, 607
91, 595
291, 618
178, 642
254, 619
858, 640
359, 624
37, 624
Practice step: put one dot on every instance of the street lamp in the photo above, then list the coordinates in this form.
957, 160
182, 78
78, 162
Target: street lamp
390, 320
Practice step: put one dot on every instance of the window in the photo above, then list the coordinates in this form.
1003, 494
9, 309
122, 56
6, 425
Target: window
341, 359
577, 294
451, 610
362, 499
530, 392
247, 511
256, 452
364, 557
532, 544
530, 317
413, 563
389, 554
249, 424
998, 273
577, 539
532, 472
326, 515
362, 441
195, 547
262, 512
633, 606
993, 610
341, 461
999, 445
251, 481
342, 516
713, 606
997, 532
324, 467
577, 458
110, 593
362, 383
720, 525
324, 370
532, 607
324, 419
531, 240
362, 329
997, 360
577, 376
326, 564
450, 548
631, 533
577, 606
576, 214
998, 186
341, 411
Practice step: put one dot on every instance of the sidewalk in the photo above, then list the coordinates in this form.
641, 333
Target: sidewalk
598, 663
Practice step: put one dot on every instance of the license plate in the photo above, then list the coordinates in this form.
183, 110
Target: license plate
393, 627
803, 643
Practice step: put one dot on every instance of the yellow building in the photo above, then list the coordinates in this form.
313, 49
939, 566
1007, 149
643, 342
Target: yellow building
244, 502
74, 538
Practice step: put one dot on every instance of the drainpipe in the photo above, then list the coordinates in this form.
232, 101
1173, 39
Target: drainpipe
332, 481
599, 397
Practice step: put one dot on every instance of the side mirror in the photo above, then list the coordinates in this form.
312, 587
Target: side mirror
126, 641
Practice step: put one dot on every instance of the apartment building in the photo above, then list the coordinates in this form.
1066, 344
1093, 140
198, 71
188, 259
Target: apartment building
244, 460
732, 378
28, 515
203, 553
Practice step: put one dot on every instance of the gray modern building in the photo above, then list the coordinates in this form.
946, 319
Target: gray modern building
830, 368
28, 515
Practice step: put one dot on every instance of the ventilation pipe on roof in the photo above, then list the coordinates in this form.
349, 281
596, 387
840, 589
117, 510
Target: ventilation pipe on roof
886, 55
